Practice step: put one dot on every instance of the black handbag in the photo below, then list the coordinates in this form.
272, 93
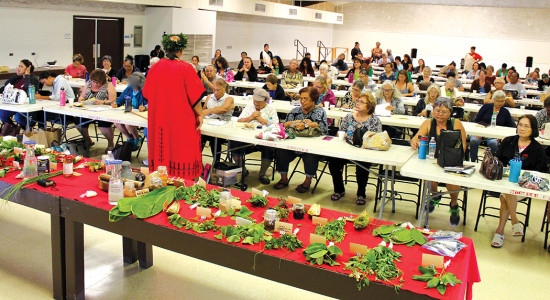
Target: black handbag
357, 138
449, 149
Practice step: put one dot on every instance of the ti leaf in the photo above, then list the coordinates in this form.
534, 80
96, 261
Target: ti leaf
432, 283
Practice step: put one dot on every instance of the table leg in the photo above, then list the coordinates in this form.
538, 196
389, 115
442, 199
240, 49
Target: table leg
385, 192
423, 202
28, 123
145, 255
74, 259
214, 158
58, 256
393, 189
428, 197
129, 250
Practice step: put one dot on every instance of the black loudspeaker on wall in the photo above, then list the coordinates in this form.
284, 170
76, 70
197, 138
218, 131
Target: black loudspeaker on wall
413, 53
529, 62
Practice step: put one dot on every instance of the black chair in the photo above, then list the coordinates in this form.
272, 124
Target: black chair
482, 211
545, 226
316, 177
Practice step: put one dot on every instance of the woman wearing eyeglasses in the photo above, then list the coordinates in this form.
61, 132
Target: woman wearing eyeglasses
441, 120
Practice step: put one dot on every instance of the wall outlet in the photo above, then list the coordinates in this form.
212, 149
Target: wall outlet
11, 54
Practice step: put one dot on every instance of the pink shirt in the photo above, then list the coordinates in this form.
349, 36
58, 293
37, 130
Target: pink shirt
76, 73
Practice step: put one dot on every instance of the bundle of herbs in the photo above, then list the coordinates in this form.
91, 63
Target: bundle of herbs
247, 235
198, 227
9, 193
318, 254
199, 194
333, 230
289, 241
258, 201
379, 261
439, 281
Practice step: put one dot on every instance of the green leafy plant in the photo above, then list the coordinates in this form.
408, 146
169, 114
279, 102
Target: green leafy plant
198, 194
400, 235
361, 222
244, 213
198, 227
333, 230
246, 235
289, 241
379, 261
258, 201
144, 206
435, 280
318, 254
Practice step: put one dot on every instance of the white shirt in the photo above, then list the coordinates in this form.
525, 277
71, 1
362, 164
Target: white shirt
516, 87
266, 113
58, 83
213, 102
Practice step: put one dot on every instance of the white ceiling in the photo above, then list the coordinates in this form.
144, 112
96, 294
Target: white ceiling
486, 3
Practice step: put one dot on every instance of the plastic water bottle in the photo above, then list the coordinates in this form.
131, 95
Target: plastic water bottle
494, 120
113, 80
116, 187
108, 161
30, 165
32, 94
62, 97
350, 131
87, 76
431, 146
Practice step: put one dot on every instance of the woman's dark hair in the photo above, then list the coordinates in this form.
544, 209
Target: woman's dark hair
98, 76
308, 69
475, 64
157, 47
46, 75
194, 56
280, 63
408, 58
79, 58
404, 73
482, 66
534, 125
398, 58
356, 59
266, 45
107, 57
504, 65
271, 79
244, 53
324, 61
312, 92
27, 64
223, 62
129, 59
388, 63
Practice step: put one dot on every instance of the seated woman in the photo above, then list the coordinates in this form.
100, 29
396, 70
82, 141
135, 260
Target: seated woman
22, 80
292, 78
324, 72
218, 105
499, 86
533, 158
397, 64
533, 78
370, 85
127, 69
340, 64
404, 85
474, 72
217, 54
484, 116
350, 99
407, 63
450, 91
363, 116
490, 77
102, 93
387, 75
58, 83
425, 80
258, 113
247, 72
76, 69
107, 61
277, 66
273, 88
389, 95
420, 68
481, 84
306, 68
223, 69
325, 93
426, 105
432, 127
133, 92
308, 115
353, 73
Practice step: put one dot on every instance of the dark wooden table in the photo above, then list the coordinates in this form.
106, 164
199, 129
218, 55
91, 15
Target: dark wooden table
37, 71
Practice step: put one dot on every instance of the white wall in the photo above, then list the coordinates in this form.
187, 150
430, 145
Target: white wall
445, 33
42, 30
250, 33
157, 21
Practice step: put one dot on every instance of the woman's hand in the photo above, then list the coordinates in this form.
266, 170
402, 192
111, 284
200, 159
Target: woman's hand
390, 108
423, 113
199, 121
255, 115
415, 143
28, 71
114, 105
141, 108
203, 76
300, 126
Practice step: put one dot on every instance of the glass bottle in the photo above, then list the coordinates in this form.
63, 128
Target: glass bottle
129, 189
298, 211
30, 166
163, 173
270, 217
115, 184
68, 166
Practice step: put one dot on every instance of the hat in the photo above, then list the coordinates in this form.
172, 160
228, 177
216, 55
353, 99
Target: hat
260, 95
545, 76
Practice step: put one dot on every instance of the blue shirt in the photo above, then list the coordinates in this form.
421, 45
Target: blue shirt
137, 98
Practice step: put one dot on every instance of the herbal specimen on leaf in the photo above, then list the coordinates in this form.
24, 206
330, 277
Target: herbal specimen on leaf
435, 280
379, 261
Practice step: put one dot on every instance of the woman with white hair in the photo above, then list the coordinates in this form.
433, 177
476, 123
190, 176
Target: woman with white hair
132, 93
425, 80
425, 105
389, 95
324, 72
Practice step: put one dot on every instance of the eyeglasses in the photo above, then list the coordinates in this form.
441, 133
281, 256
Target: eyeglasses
388, 90
525, 126
357, 90
441, 112
216, 90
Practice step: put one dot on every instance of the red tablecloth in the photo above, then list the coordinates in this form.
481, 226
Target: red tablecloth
463, 265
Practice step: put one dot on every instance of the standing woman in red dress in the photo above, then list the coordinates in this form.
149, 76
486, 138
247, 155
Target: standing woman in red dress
174, 91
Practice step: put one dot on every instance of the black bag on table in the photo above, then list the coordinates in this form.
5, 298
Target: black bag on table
124, 151
357, 138
449, 150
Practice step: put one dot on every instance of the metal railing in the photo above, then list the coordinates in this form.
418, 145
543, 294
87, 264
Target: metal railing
302, 53
324, 51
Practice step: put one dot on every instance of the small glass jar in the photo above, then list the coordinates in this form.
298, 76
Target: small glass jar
163, 173
129, 189
225, 199
270, 217
298, 211
156, 183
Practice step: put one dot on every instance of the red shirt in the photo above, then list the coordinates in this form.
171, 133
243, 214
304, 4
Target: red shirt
476, 56
76, 73
20, 83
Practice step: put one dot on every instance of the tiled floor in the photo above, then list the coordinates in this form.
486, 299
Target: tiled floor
517, 271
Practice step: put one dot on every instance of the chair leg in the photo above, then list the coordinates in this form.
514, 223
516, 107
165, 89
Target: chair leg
294, 170
546, 235
420, 197
464, 206
319, 177
544, 218
481, 208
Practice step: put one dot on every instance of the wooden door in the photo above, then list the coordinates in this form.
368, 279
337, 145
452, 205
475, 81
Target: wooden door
110, 41
84, 40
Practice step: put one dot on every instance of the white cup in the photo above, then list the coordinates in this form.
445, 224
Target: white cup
522, 107
326, 104
341, 135
71, 101
332, 106
234, 121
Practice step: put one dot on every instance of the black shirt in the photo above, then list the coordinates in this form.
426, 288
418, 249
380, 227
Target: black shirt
533, 157
543, 85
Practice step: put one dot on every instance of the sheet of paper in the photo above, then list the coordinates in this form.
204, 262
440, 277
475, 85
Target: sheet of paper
381, 111
99, 108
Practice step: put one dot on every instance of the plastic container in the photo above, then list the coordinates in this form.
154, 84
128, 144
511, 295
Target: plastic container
116, 187
127, 104
431, 148
423, 148
113, 80
515, 170
62, 98
32, 94
30, 165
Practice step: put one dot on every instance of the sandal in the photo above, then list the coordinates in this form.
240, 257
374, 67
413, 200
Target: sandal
337, 196
498, 240
360, 200
280, 185
302, 189
517, 229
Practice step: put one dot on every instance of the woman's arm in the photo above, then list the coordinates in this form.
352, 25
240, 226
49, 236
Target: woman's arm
111, 92
424, 130
227, 106
83, 92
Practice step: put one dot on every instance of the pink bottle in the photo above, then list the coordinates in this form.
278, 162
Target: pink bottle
62, 97
114, 81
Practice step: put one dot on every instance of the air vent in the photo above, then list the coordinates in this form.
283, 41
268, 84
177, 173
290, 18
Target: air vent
259, 7
318, 16
216, 2
293, 12
339, 18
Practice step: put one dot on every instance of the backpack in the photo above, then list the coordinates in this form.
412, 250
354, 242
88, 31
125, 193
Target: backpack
124, 151
449, 149
491, 167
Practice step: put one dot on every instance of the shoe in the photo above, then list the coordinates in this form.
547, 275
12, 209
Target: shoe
498, 240
360, 200
302, 189
517, 229
280, 185
337, 196
434, 201
264, 179
455, 215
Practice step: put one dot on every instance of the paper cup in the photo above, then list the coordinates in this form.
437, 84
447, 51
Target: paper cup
71, 101
326, 104
332, 106
341, 135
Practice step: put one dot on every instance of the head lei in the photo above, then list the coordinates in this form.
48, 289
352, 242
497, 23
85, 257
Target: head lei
174, 42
